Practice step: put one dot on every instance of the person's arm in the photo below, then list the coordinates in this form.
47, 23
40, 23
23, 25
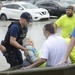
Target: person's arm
58, 23
69, 49
2, 48
55, 27
14, 43
14, 32
70, 46
43, 56
36, 64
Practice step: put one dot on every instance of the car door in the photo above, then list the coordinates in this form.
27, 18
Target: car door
13, 11
53, 7
44, 5
17, 11
8, 10
50, 6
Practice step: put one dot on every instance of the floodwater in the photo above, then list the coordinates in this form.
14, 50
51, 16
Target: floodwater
35, 32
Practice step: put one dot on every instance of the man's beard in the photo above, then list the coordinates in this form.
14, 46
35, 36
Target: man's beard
69, 15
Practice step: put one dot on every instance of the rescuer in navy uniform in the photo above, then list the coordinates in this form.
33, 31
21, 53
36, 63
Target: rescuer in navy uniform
13, 40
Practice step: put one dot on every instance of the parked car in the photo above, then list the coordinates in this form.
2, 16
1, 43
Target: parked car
55, 8
3, 2
35, 1
71, 3
13, 10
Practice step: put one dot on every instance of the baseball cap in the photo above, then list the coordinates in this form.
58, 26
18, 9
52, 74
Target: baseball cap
26, 16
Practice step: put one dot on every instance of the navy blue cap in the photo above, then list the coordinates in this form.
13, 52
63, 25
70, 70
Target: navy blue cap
26, 16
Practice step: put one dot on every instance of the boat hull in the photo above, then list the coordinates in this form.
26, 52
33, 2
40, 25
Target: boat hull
63, 70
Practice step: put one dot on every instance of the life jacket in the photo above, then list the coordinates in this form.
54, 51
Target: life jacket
21, 36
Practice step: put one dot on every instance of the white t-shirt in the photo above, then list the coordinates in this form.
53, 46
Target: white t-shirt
54, 49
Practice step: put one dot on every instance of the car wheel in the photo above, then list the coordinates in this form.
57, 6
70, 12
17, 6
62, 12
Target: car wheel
3, 17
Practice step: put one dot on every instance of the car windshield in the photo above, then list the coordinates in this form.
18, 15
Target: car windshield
63, 4
29, 6
71, 2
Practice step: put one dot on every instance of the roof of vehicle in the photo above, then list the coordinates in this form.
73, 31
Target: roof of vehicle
57, 2
18, 2
39, 2
49, 1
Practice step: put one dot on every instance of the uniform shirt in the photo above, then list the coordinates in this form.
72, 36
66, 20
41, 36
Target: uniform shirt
67, 24
14, 30
54, 49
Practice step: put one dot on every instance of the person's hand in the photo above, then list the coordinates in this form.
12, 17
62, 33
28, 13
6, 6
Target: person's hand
26, 51
70, 36
61, 62
28, 67
2, 48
